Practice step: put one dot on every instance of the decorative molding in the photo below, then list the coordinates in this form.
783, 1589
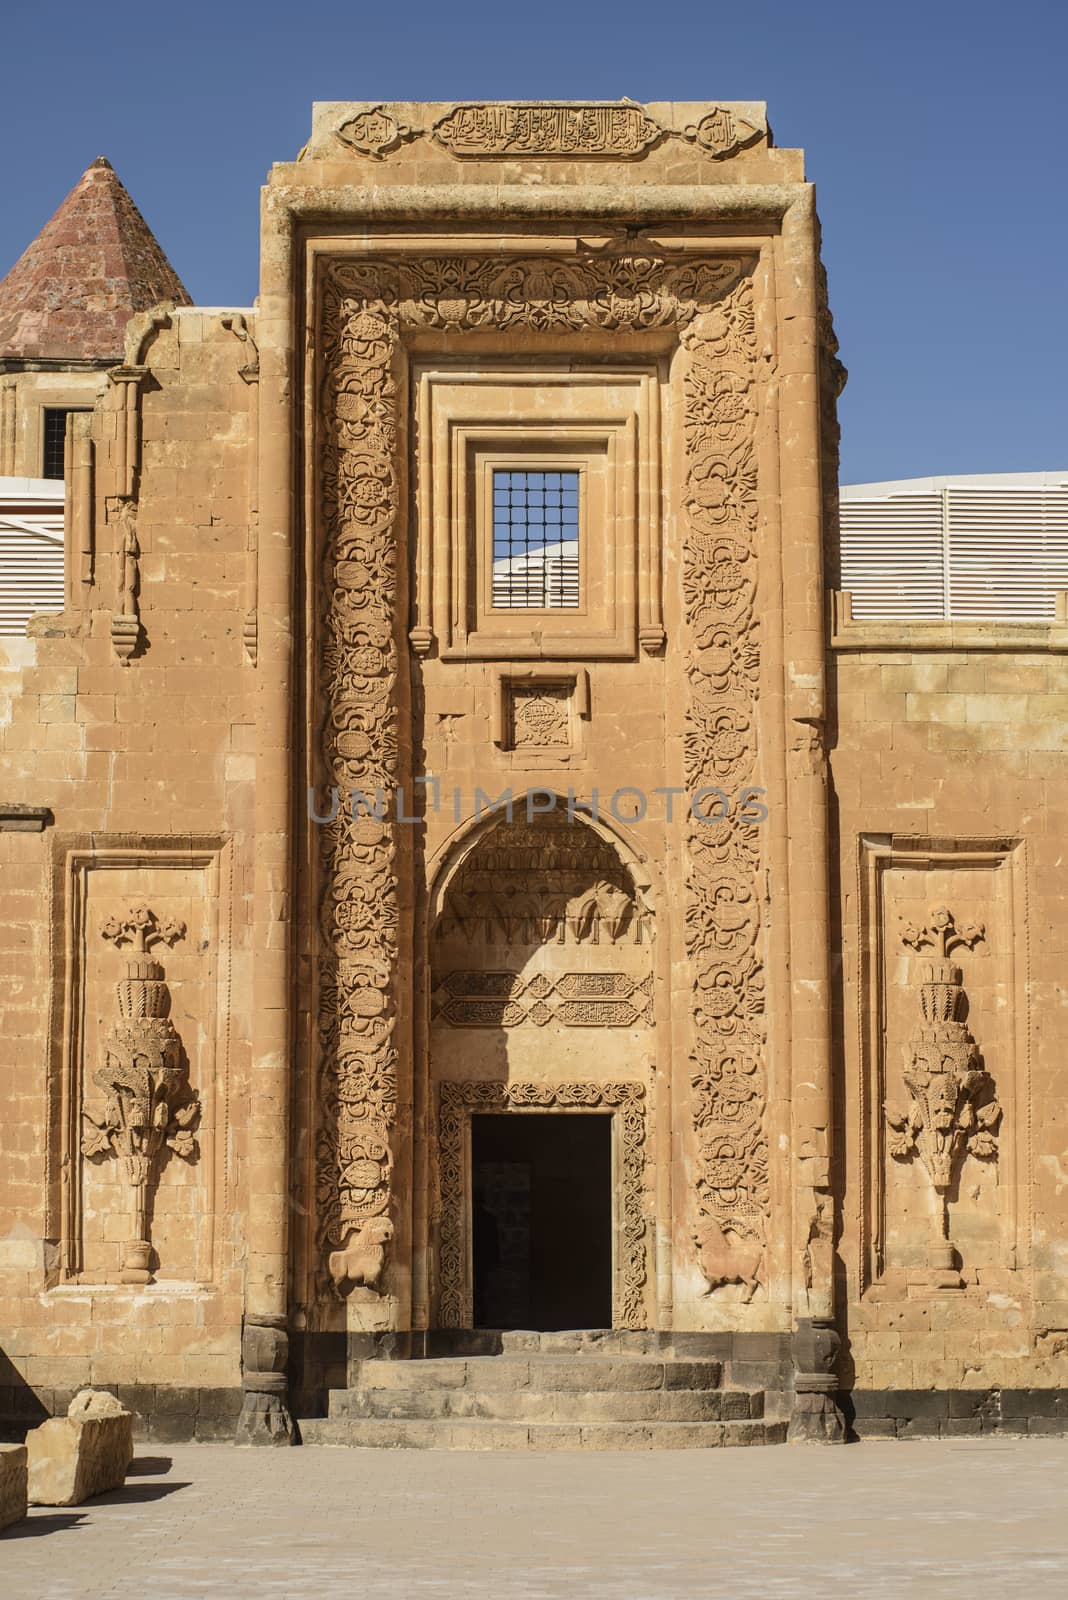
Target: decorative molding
149, 1107
358, 661
540, 715
909, 637
236, 323
723, 133
603, 423
366, 307
126, 618
617, 130
458, 1102
951, 1107
723, 923
375, 132
575, 999
527, 687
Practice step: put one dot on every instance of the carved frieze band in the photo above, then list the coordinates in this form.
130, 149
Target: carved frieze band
616, 130
366, 307
723, 926
576, 999
460, 1101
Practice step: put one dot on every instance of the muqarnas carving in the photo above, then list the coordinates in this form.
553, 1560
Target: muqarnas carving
149, 1108
550, 881
952, 1110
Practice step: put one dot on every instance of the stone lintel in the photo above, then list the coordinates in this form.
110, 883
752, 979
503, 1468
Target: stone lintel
18, 818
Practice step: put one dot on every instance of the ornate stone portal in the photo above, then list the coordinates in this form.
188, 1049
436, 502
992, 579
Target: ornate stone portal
367, 310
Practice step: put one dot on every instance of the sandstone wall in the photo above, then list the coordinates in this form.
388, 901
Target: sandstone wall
145, 766
948, 775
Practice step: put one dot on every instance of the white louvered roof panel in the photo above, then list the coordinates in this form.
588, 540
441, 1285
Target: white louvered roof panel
968, 547
31, 551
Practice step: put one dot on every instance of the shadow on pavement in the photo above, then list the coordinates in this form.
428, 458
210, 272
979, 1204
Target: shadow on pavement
51, 1522
137, 1493
149, 1466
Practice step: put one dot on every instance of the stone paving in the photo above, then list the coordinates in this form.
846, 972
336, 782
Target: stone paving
957, 1520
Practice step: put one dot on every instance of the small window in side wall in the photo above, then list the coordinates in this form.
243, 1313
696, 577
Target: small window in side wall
53, 440
535, 541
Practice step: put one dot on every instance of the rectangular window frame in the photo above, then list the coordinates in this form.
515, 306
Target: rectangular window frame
517, 548
604, 421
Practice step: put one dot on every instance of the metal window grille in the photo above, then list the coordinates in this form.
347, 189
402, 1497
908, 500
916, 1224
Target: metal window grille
536, 540
55, 435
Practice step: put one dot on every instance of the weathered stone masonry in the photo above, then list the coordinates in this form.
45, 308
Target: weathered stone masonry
285, 588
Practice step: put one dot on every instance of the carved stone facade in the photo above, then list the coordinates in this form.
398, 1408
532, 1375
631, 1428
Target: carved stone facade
420, 886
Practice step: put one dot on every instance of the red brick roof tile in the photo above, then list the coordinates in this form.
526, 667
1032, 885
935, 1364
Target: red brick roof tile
70, 293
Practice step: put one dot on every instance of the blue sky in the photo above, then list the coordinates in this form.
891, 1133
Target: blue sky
935, 134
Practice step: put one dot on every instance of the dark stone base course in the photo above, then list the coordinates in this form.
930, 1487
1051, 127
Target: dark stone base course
171, 1415
162, 1414
955, 1413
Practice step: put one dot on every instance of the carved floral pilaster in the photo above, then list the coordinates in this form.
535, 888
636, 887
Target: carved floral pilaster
723, 923
149, 1108
951, 1110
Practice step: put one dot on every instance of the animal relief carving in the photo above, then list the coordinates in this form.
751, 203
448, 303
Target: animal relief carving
363, 1259
726, 1256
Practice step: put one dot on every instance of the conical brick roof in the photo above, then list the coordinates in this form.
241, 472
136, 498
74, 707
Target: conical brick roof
71, 292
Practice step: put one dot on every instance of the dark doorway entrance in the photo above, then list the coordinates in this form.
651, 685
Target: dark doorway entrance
542, 1220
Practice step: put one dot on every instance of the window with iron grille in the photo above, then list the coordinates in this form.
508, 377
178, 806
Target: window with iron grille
53, 453
535, 540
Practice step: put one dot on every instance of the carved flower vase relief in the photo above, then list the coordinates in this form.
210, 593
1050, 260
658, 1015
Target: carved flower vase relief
149, 1109
952, 1112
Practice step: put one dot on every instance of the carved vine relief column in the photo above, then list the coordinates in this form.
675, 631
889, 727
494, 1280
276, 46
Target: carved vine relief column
723, 913
359, 912
951, 1110
366, 308
149, 1107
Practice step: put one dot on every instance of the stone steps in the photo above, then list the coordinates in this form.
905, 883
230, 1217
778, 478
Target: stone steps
573, 1391
484, 1434
536, 1372
540, 1405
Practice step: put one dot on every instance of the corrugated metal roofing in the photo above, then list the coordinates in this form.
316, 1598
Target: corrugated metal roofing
31, 551
943, 548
